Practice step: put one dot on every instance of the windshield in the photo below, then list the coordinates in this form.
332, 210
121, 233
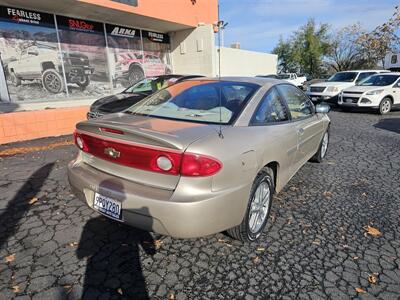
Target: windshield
283, 76
379, 80
344, 77
214, 102
151, 84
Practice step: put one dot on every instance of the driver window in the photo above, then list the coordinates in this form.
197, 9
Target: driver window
271, 110
299, 104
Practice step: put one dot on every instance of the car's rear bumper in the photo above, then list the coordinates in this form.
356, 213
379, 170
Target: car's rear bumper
161, 210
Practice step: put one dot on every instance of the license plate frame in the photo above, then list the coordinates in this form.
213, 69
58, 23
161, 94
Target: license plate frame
349, 100
107, 206
88, 72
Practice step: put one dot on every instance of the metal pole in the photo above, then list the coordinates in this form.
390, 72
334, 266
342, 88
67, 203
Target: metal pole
61, 55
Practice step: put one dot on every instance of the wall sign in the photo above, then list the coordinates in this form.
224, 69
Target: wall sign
24, 16
155, 37
121, 31
79, 25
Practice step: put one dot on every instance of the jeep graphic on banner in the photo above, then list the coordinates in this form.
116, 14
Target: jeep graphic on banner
84, 53
124, 54
30, 55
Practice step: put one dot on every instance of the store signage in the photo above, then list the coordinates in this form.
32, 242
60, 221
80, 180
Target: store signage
24, 16
80, 25
115, 30
156, 36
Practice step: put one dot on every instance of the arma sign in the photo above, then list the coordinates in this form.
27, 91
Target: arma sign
120, 31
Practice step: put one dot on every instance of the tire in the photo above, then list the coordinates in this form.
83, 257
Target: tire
52, 81
323, 148
84, 83
136, 73
16, 81
385, 106
244, 232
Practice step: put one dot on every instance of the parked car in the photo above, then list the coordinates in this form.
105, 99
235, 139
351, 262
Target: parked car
43, 62
273, 76
329, 90
392, 62
293, 79
200, 156
133, 94
380, 91
132, 66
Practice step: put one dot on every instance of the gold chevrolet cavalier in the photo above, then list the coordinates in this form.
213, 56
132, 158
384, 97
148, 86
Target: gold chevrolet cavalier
199, 157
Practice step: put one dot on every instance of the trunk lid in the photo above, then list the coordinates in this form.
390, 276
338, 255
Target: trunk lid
126, 131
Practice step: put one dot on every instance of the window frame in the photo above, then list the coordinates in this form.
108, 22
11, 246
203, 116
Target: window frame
394, 59
361, 73
286, 104
289, 116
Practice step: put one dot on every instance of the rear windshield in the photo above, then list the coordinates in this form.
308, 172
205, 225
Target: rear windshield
344, 77
283, 76
204, 101
380, 80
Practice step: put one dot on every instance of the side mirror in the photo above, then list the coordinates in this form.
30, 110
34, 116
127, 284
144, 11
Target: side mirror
322, 108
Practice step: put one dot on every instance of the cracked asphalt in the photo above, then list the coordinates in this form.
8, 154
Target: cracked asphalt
315, 245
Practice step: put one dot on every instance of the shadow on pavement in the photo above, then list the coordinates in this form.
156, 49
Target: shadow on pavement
390, 124
19, 205
113, 268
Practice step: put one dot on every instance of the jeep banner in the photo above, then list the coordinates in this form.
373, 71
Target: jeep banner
124, 55
30, 55
85, 61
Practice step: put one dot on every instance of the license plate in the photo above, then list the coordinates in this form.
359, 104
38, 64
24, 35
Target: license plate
88, 72
314, 98
349, 100
107, 206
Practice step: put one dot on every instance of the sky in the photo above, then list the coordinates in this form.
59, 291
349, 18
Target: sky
258, 24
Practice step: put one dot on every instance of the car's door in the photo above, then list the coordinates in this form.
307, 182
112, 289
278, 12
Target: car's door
396, 92
308, 126
28, 62
273, 118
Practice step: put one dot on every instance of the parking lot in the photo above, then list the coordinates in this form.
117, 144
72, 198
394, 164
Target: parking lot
317, 243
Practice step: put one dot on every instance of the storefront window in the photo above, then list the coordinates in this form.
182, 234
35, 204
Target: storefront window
83, 48
30, 55
156, 50
125, 55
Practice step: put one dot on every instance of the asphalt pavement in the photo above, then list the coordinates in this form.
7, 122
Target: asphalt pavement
333, 232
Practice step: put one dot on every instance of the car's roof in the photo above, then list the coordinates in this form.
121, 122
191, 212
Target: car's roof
384, 71
262, 81
388, 73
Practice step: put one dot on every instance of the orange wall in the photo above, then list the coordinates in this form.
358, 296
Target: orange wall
177, 11
28, 125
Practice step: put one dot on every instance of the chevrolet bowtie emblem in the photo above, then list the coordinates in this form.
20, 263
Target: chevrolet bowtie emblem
112, 152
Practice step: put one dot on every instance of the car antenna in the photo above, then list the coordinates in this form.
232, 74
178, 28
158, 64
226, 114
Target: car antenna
221, 26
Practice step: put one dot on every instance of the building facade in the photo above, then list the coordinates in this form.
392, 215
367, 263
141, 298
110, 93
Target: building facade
57, 57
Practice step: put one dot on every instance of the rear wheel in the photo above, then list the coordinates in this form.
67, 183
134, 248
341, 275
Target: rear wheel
258, 208
136, 73
323, 148
52, 81
385, 106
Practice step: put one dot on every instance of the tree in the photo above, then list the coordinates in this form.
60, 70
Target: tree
346, 53
286, 61
304, 50
382, 39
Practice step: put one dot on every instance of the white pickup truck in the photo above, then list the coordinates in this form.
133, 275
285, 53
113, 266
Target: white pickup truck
293, 79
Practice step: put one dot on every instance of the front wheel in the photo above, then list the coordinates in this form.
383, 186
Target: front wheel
258, 208
83, 82
323, 148
136, 73
52, 81
385, 106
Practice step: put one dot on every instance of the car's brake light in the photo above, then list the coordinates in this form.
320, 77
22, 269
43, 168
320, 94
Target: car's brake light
199, 165
148, 158
111, 130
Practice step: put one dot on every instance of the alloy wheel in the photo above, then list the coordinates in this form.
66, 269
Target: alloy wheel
259, 207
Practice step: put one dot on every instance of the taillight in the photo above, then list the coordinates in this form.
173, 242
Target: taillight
111, 130
199, 165
147, 158
79, 142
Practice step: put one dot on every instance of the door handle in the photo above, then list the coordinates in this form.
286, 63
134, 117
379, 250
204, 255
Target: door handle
300, 131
